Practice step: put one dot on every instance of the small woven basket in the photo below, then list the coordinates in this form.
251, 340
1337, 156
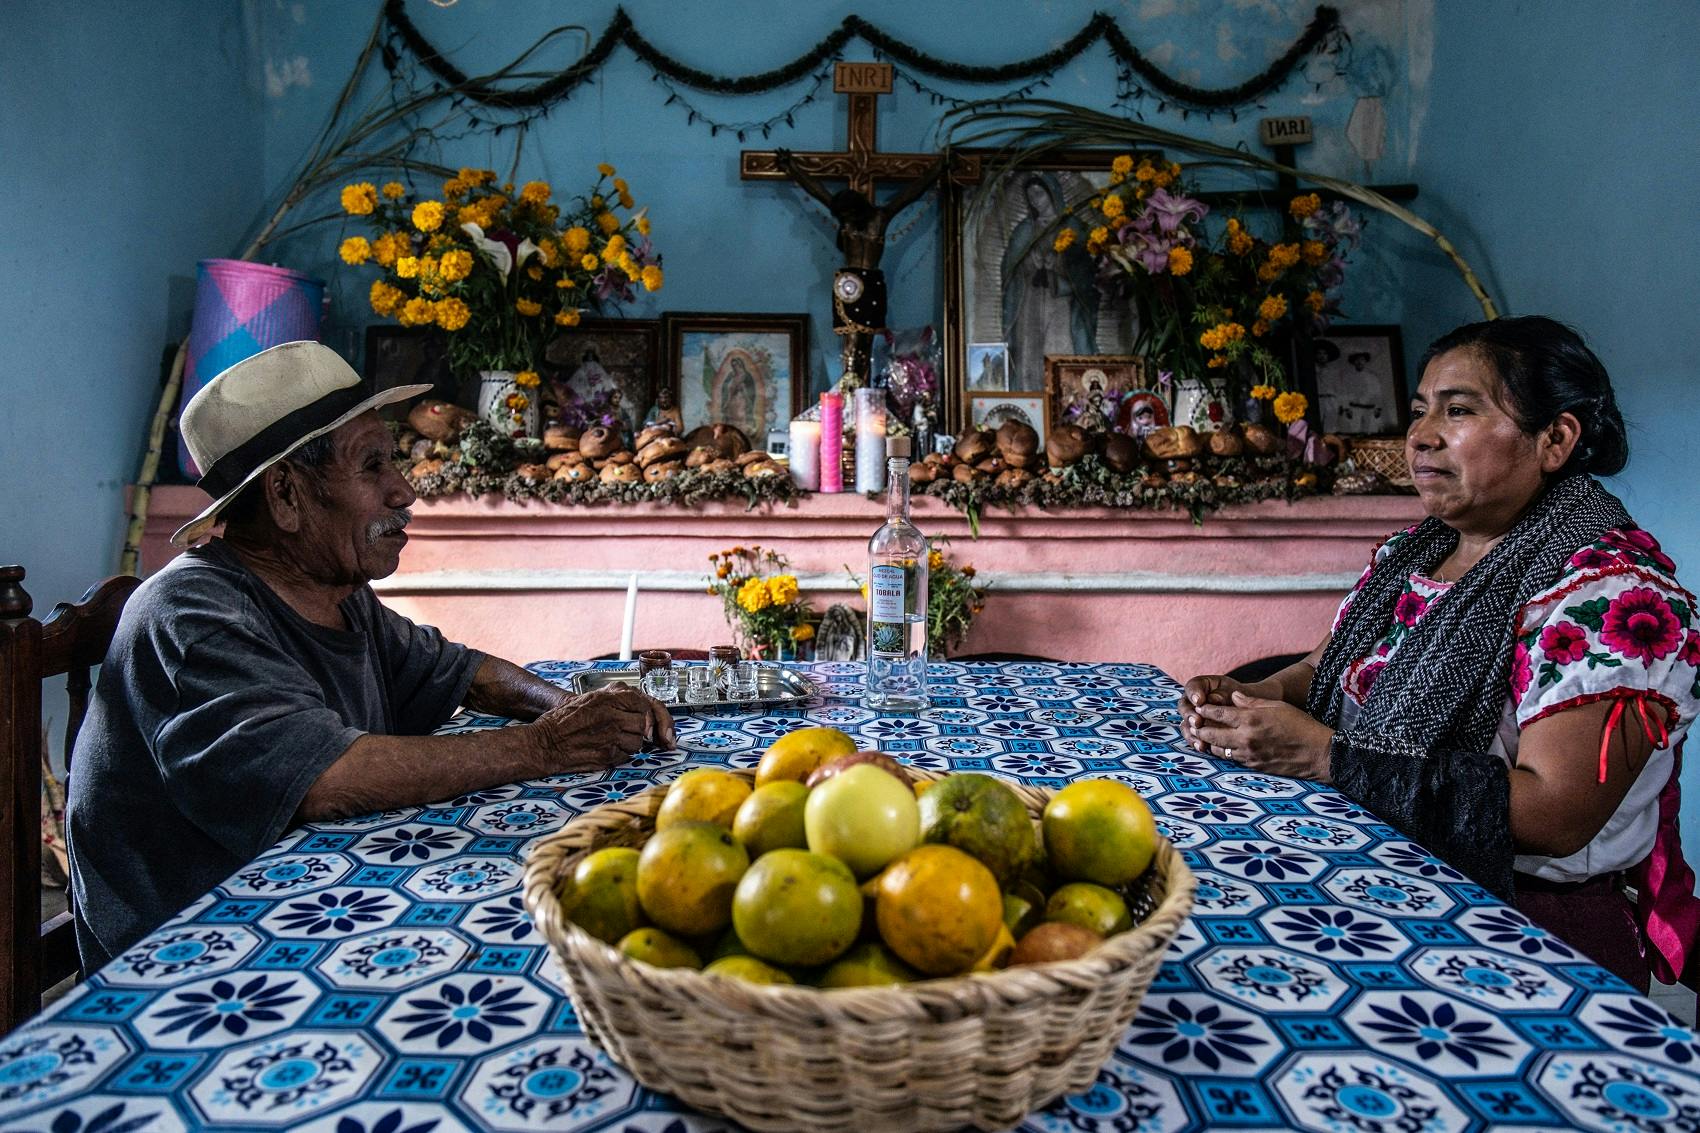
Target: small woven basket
981, 1050
1384, 455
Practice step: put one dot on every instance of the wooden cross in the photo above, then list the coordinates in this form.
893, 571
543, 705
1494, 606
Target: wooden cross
860, 162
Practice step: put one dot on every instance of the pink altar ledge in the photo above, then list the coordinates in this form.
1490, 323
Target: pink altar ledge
1084, 584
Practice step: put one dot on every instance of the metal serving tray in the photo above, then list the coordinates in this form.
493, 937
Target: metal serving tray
776, 686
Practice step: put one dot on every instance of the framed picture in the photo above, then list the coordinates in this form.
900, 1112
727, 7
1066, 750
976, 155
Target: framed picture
401, 356
605, 366
744, 370
989, 409
1005, 283
1360, 380
1088, 390
988, 366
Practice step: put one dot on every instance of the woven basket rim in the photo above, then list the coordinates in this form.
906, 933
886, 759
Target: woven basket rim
950, 996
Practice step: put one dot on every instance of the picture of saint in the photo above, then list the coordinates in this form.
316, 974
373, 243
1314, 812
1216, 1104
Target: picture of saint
737, 396
988, 366
1093, 391
603, 368
749, 376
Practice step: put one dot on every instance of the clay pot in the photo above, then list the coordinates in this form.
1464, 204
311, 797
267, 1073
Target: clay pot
1018, 444
1066, 445
599, 442
1226, 442
975, 446
728, 440
1121, 452
663, 448
1261, 440
559, 438
439, 420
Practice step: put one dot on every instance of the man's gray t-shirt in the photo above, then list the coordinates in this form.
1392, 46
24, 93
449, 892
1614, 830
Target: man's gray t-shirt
216, 710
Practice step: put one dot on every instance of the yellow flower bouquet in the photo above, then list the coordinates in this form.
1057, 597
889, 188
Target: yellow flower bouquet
764, 606
500, 268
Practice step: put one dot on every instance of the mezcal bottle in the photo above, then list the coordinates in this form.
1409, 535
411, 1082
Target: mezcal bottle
897, 597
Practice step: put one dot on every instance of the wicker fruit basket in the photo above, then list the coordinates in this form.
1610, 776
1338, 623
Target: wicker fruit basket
1385, 455
982, 1050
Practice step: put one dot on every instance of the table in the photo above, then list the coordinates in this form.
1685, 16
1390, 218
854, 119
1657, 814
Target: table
380, 975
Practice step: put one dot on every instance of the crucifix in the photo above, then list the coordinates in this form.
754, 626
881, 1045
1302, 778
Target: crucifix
858, 288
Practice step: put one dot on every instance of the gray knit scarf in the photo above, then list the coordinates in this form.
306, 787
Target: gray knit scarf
1417, 754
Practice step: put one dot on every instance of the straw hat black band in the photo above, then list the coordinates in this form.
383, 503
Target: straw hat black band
235, 466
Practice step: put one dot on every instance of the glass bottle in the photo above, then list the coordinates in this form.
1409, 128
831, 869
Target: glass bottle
897, 597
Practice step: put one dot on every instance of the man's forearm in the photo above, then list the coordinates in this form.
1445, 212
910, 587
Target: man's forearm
384, 772
501, 688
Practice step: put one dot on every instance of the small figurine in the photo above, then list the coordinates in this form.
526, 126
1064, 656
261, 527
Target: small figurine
665, 409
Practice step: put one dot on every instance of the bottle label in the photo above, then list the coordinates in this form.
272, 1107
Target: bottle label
885, 610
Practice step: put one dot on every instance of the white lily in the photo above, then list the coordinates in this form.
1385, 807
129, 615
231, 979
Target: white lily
504, 260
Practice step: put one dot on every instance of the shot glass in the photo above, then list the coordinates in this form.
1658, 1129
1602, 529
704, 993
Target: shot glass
662, 684
701, 686
653, 659
744, 680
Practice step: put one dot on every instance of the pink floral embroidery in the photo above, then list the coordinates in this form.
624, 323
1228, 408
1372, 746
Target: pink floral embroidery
1521, 673
1564, 643
1690, 654
1367, 675
1641, 624
1642, 543
1409, 608
1591, 558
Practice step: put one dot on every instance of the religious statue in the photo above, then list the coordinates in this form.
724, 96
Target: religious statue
665, 409
858, 288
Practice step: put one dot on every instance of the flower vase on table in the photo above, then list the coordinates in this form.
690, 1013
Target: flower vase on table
508, 400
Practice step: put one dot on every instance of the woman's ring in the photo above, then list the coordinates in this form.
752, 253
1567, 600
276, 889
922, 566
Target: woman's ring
1227, 753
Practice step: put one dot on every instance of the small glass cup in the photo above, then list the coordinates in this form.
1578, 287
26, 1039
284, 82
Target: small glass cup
721, 658
744, 680
653, 659
701, 686
662, 684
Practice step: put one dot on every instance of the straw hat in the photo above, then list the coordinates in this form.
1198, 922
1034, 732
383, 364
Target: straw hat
260, 410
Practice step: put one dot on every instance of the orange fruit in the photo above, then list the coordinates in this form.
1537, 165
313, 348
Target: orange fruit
794, 907
686, 876
869, 964
1099, 830
601, 896
982, 817
998, 954
795, 754
703, 795
772, 818
653, 946
749, 969
938, 909
1089, 906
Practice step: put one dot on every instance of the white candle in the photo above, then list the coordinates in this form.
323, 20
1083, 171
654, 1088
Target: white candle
631, 620
805, 454
870, 439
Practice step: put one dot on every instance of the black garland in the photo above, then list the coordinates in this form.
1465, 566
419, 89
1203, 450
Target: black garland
620, 30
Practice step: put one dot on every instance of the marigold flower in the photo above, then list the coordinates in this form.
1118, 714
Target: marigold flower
589, 262
1240, 243
428, 216
576, 240
802, 631
1284, 256
394, 190
1180, 261
1118, 178
1315, 301
1064, 240
527, 307
935, 560
605, 169
626, 201
454, 189
417, 312
1123, 163
1301, 207
1259, 329
517, 402
1289, 407
534, 273
1315, 253
385, 298
616, 244
568, 317
455, 265
359, 199
407, 267
1217, 361
451, 314
1263, 392
608, 222
652, 278
722, 570
1273, 307
753, 595
782, 588
355, 250
536, 192
643, 225
1113, 206
566, 282
968, 571
1099, 235
527, 379
1219, 336
1145, 172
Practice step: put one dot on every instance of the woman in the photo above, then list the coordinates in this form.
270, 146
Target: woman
1511, 679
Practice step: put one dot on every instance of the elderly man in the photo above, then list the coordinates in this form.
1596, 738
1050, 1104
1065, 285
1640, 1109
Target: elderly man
256, 682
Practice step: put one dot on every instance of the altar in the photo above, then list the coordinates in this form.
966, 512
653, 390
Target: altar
1085, 584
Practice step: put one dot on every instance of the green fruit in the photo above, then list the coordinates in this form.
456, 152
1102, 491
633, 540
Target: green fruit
795, 907
653, 946
1020, 914
601, 897
1091, 907
749, 969
686, 876
982, 817
772, 818
862, 816
868, 965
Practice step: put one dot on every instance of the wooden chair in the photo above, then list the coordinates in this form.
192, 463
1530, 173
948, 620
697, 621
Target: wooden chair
71, 642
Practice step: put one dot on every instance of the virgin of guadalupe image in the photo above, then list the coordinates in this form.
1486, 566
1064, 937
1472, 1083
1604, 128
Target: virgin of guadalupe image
737, 394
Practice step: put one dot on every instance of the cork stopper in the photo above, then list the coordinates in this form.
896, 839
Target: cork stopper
897, 447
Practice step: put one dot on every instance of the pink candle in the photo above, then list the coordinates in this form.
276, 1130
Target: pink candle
831, 442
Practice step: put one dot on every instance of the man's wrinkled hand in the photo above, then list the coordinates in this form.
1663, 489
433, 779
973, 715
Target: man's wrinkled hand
600, 729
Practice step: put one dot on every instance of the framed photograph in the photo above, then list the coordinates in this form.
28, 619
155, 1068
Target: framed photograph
988, 366
1360, 380
1006, 283
744, 370
1088, 390
605, 366
401, 356
989, 409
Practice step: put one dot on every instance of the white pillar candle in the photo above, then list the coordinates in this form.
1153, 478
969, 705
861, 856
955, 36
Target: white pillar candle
870, 439
805, 454
631, 620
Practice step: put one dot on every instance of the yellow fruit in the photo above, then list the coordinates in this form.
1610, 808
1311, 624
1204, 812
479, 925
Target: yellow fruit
686, 876
1089, 906
868, 965
939, 909
1099, 830
772, 818
794, 907
998, 954
703, 796
795, 754
982, 817
1020, 913
601, 897
749, 969
653, 946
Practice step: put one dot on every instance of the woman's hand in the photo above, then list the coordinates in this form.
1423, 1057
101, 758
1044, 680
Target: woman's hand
1264, 735
1209, 689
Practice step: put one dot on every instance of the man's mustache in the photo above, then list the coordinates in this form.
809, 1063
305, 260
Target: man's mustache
392, 524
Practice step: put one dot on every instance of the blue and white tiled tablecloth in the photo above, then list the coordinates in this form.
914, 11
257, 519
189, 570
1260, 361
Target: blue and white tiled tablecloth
380, 976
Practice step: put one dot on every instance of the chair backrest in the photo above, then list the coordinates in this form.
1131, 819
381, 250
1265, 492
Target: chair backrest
70, 643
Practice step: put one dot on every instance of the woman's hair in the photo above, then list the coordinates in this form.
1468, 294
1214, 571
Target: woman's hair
1545, 369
